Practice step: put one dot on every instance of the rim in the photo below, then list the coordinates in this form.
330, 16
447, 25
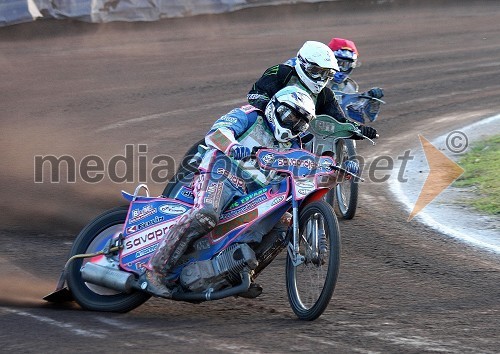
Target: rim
311, 275
343, 195
343, 189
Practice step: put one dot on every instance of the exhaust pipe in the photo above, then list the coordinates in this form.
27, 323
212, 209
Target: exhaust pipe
108, 277
125, 282
216, 295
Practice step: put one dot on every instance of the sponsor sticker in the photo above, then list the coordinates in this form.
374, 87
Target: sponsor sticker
277, 200
141, 213
268, 159
172, 209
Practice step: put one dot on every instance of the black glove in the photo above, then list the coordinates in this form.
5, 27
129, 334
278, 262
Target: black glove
375, 92
369, 132
306, 137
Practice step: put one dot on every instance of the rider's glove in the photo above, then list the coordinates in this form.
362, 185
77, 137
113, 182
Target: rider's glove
351, 166
375, 92
369, 132
239, 152
306, 137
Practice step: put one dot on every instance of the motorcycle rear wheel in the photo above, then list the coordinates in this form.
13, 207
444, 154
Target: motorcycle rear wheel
184, 174
92, 239
310, 285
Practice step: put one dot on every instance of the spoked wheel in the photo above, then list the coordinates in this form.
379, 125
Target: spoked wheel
310, 285
93, 238
184, 174
346, 192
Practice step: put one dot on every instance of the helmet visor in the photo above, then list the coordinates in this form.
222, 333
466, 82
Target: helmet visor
317, 72
291, 119
345, 65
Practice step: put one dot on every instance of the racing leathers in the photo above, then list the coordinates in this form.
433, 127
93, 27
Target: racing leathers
346, 86
279, 76
220, 179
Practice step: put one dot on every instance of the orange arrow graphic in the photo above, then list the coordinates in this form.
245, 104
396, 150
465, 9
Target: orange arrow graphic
442, 173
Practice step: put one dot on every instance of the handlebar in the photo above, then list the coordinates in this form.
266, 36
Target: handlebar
358, 133
371, 98
255, 150
343, 170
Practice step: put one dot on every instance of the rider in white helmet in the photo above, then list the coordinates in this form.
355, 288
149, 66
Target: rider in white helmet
312, 70
284, 110
315, 66
223, 176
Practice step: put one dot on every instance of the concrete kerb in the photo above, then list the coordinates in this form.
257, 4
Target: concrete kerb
448, 213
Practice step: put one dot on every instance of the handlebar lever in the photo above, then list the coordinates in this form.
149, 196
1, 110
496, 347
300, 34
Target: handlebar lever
372, 98
343, 170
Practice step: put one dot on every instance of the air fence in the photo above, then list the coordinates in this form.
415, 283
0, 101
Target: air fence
98, 11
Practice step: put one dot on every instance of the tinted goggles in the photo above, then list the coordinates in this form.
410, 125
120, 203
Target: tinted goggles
317, 72
345, 64
292, 120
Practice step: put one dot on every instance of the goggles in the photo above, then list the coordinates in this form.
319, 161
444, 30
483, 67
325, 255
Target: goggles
317, 72
345, 64
291, 119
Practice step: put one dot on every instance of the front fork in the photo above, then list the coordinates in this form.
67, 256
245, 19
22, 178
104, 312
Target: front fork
293, 246
315, 239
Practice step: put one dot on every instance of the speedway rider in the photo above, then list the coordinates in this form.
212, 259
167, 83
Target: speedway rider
222, 176
312, 70
346, 53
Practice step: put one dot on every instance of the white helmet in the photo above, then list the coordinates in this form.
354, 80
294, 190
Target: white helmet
289, 113
315, 65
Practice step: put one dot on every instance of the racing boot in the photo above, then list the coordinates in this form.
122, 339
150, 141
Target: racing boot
154, 284
194, 224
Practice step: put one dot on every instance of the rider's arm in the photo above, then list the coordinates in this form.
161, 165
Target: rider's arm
222, 135
328, 104
273, 80
351, 86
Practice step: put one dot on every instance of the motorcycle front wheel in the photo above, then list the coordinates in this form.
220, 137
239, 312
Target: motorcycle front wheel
93, 238
344, 197
310, 285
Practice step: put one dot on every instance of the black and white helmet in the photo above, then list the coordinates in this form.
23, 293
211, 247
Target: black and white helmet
289, 113
315, 65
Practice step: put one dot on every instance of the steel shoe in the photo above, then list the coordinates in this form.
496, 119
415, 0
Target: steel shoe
153, 284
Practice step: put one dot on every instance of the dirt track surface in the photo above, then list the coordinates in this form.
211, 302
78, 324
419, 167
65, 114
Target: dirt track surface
79, 89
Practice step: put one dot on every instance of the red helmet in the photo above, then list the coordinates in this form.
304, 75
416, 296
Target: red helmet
345, 52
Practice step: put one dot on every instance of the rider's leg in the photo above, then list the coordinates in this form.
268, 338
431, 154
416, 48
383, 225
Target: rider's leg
212, 194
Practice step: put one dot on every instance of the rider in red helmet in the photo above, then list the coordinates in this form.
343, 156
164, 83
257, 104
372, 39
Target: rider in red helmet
346, 53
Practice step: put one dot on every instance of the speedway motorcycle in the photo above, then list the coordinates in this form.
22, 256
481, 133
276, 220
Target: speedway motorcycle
329, 136
110, 253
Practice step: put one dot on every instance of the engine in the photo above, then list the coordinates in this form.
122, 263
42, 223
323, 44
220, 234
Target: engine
222, 270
